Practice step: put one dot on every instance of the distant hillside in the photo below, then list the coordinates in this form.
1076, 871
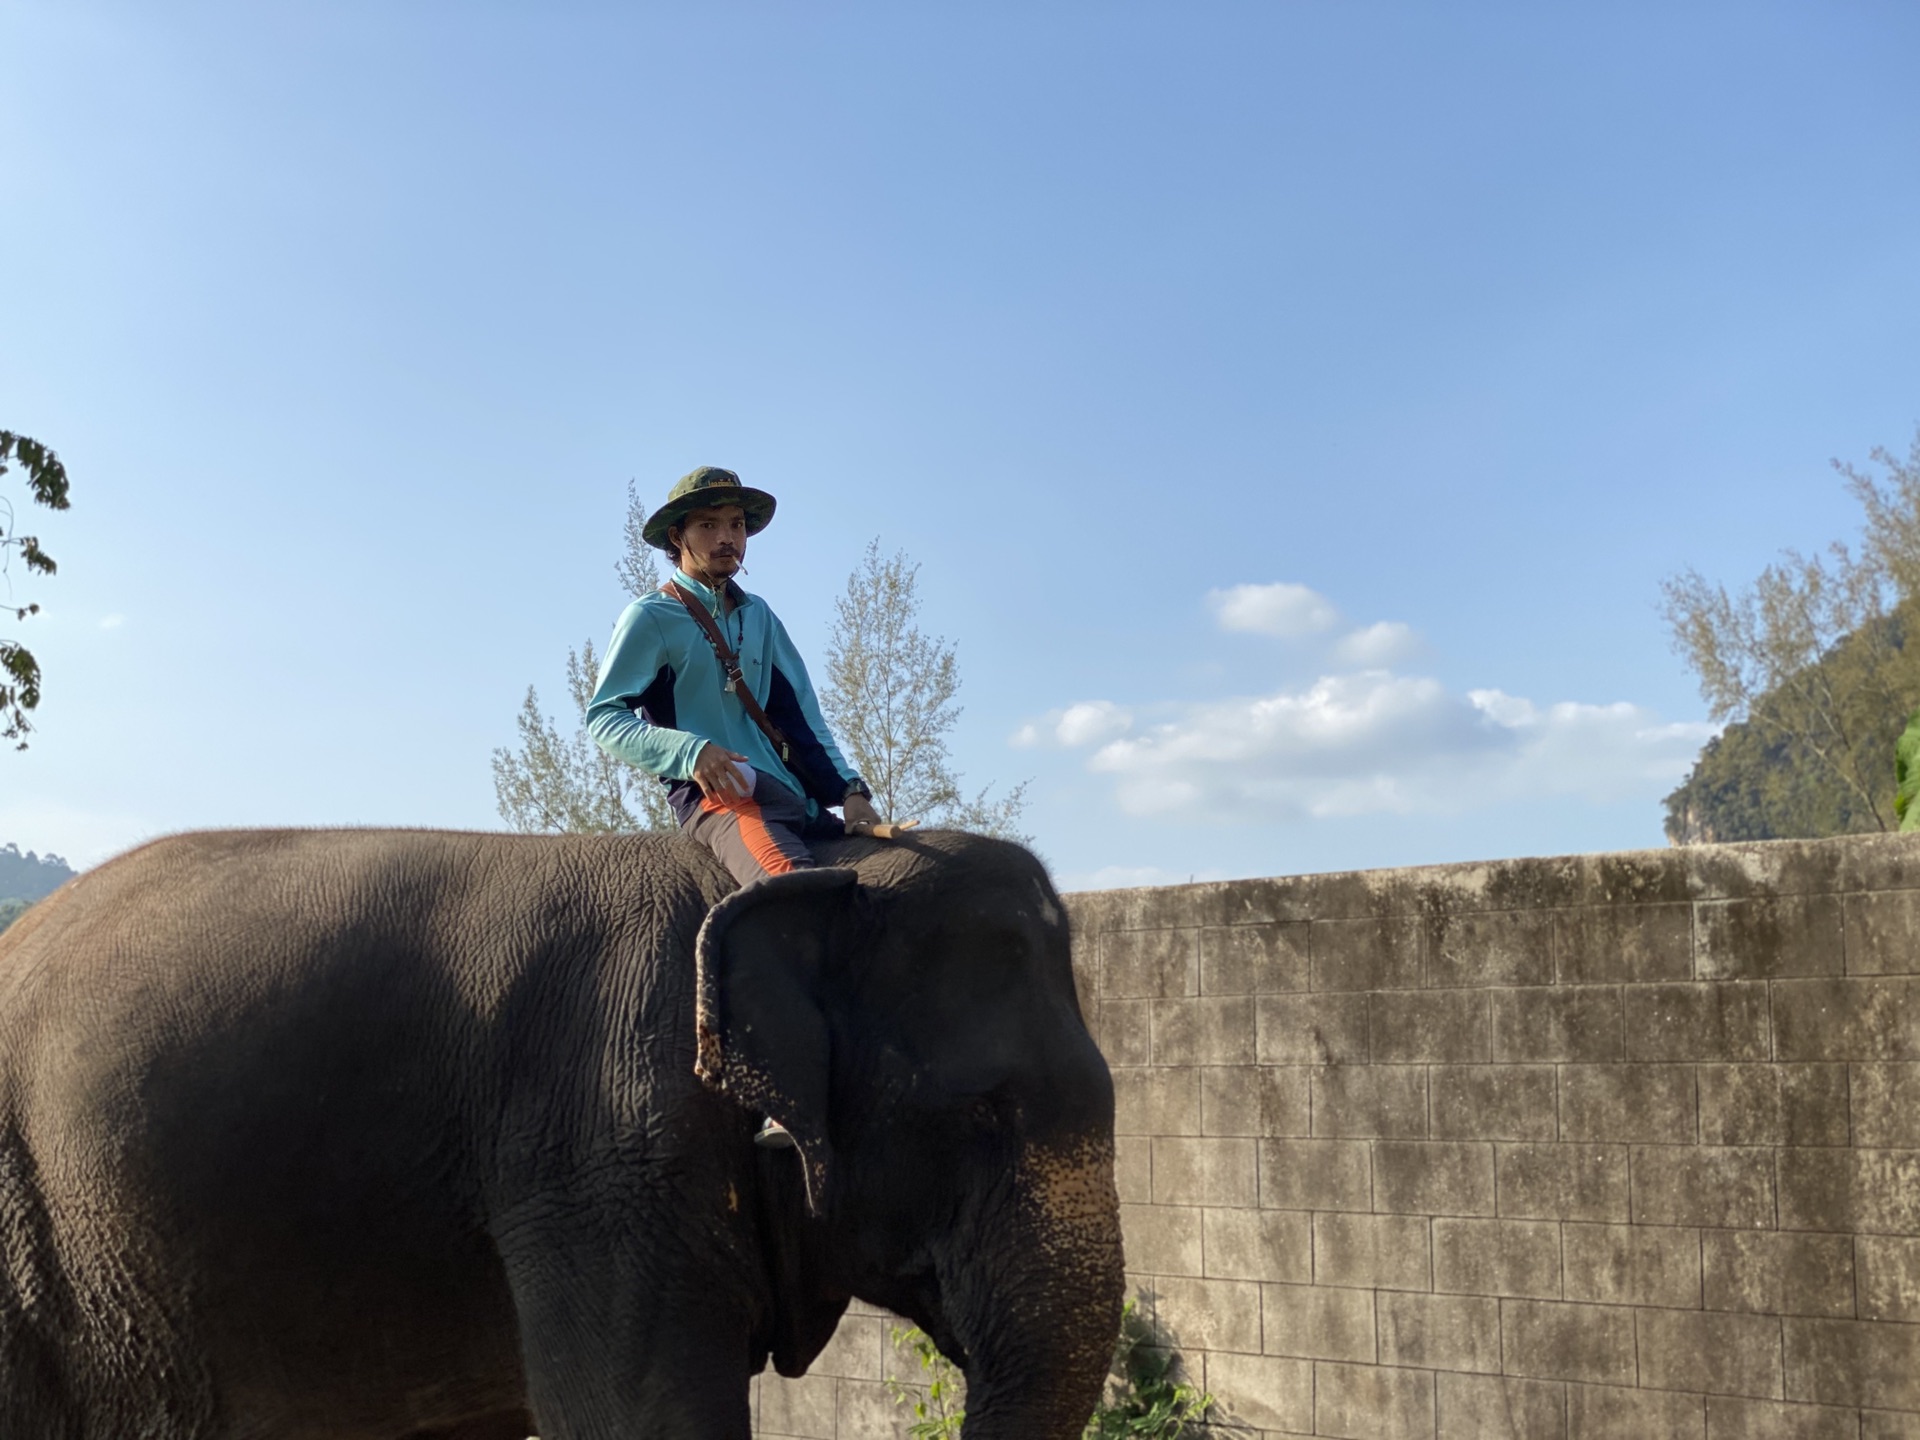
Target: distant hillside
1760, 778
29, 876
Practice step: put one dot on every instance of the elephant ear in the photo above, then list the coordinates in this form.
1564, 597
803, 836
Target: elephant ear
764, 955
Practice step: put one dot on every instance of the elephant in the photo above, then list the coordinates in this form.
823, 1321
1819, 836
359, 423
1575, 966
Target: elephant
370, 1134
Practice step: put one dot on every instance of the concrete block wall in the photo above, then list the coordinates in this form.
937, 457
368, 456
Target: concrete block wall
1621, 1146
845, 1393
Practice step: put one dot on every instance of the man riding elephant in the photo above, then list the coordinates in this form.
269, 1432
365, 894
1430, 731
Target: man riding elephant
702, 687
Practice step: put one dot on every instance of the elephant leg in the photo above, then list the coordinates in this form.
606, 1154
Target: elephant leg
611, 1351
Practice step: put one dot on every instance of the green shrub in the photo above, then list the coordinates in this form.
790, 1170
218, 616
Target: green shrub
938, 1409
1143, 1400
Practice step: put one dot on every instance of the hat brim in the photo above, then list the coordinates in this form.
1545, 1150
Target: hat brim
757, 504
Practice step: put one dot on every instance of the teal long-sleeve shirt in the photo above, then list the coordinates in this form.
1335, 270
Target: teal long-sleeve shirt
663, 695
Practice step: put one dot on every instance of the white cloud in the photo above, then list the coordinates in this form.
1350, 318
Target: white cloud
112, 622
1289, 611
1603, 751
1376, 743
1088, 723
1378, 645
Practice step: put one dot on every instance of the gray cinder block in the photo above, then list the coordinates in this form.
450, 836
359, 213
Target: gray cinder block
1493, 1102
1562, 1182
1551, 1024
1706, 1021
1760, 939
1497, 1257
1316, 1175
1632, 1264
1778, 1272
1706, 1352
1606, 945
1703, 1185
1553, 1340
1382, 954
1328, 1029
1366, 1402
1499, 1407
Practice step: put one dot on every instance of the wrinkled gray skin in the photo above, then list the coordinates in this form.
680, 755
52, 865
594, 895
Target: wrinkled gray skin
378, 1134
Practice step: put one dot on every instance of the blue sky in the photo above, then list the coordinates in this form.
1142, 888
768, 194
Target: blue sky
1293, 408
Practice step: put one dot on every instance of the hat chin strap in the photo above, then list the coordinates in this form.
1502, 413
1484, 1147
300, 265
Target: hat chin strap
700, 572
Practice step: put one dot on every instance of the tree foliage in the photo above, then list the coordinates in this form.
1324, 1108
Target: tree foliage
1757, 780
564, 782
1811, 670
47, 485
556, 782
889, 695
29, 876
11, 910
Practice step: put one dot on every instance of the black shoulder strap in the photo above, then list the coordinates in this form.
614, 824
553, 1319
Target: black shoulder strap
729, 665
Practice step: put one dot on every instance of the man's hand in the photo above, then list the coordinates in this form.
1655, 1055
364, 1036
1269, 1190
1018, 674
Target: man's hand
717, 774
863, 819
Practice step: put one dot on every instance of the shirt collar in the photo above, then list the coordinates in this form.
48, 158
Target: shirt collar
706, 592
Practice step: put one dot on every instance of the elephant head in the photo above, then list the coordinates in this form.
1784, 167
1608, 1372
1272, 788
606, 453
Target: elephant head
910, 1016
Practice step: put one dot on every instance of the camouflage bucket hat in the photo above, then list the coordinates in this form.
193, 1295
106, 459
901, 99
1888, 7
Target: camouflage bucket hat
703, 489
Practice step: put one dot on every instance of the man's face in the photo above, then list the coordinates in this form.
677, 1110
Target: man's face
713, 541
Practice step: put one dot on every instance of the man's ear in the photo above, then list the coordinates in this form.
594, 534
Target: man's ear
764, 954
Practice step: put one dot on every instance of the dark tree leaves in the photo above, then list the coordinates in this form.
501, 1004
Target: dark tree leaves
47, 485
46, 476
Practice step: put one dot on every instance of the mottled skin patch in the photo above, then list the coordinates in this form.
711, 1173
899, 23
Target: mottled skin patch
1071, 1209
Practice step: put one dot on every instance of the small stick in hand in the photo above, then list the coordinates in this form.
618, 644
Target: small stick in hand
881, 829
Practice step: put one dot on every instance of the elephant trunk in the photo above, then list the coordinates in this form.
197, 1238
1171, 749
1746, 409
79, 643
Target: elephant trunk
1040, 1331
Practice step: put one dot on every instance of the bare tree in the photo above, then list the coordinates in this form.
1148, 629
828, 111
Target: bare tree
1812, 657
1892, 509
638, 568
566, 782
889, 695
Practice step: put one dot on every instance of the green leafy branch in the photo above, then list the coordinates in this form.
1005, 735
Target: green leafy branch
939, 1406
1143, 1399
47, 483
